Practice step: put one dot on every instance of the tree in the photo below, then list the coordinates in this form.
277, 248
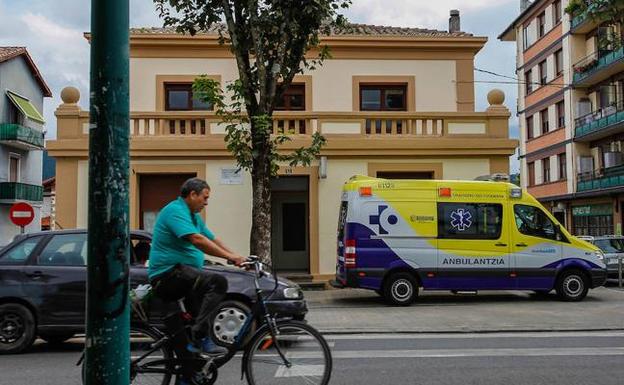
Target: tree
611, 11
269, 40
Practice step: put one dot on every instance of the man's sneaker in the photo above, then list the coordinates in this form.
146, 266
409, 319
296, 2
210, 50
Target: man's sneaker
207, 346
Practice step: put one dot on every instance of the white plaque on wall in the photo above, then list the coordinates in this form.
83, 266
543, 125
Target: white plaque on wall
231, 176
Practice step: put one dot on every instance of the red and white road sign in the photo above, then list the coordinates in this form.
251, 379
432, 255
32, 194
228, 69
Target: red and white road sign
21, 214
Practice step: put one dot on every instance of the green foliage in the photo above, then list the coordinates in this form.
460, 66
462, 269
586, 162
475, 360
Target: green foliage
272, 41
610, 11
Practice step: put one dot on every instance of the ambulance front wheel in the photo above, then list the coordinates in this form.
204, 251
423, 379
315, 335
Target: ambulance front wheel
572, 285
401, 289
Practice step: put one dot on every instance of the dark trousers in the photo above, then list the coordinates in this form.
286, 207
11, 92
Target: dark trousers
202, 291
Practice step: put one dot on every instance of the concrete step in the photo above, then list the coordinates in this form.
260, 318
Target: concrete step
304, 280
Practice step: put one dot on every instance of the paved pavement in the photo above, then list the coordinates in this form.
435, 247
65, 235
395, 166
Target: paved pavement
355, 310
552, 358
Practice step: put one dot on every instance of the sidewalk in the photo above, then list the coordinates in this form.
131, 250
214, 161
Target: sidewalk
357, 311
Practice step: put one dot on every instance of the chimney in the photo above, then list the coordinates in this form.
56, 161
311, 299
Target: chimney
524, 4
454, 21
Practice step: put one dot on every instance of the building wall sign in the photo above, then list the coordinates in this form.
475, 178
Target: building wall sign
592, 210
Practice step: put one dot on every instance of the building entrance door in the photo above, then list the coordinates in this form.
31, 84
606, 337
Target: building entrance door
155, 191
290, 224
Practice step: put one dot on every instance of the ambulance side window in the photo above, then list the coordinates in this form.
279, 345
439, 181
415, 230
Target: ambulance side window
469, 220
530, 220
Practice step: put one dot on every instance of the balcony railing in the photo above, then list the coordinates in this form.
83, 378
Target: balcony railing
596, 61
383, 124
601, 179
601, 119
12, 191
21, 136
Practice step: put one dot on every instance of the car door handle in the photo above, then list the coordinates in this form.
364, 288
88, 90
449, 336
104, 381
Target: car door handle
500, 244
35, 275
521, 244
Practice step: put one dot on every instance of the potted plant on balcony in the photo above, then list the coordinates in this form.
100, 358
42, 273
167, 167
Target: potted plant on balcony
611, 11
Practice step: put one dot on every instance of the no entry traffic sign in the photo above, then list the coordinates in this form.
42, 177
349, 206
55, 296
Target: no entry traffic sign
21, 214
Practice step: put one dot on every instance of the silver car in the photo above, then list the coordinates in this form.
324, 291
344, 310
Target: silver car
613, 248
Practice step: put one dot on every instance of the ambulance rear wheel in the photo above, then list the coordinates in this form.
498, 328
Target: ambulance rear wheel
572, 286
401, 289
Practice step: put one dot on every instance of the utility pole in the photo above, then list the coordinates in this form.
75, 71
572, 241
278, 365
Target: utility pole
108, 318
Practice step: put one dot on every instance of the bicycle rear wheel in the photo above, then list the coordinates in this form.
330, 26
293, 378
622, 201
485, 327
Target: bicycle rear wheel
149, 366
308, 358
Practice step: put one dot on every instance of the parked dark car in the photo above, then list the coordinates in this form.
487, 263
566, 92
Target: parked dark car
43, 289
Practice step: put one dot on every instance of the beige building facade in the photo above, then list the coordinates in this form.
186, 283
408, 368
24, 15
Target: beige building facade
392, 102
571, 113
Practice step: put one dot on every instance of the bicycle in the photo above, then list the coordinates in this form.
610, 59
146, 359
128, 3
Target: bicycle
280, 351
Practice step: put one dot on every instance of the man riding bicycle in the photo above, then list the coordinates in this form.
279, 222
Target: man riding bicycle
176, 260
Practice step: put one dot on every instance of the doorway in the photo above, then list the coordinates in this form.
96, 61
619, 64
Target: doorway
155, 191
290, 210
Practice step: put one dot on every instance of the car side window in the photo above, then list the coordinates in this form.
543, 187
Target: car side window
140, 249
64, 250
19, 253
531, 220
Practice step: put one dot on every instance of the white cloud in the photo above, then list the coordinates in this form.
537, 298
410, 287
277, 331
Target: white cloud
414, 13
53, 35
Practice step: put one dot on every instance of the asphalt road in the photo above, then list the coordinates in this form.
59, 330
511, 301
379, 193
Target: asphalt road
552, 358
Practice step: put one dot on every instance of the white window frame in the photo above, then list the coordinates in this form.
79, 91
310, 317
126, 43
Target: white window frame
13, 155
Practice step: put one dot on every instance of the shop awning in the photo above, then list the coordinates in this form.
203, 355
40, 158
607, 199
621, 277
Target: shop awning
26, 107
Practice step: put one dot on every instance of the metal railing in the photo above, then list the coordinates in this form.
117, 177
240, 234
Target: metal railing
599, 119
597, 60
21, 191
19, 133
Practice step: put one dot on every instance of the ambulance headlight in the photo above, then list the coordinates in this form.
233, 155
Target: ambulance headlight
515, 193
600, 255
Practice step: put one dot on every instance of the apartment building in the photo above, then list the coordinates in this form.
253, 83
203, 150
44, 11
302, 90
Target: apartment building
570, 112
22, 90
391, 102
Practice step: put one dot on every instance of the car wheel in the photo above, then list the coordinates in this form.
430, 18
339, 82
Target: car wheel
572, 286
17, 328
401, 289
228, 321
56, 339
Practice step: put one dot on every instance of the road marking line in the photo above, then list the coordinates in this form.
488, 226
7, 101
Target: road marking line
418, 336
300, 370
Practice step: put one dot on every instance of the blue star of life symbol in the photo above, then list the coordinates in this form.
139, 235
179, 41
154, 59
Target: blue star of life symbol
461, 219
376, 219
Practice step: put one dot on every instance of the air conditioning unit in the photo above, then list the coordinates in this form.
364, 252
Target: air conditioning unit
613, 159
585, 164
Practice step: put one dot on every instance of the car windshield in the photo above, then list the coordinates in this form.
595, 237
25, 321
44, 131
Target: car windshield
610, 245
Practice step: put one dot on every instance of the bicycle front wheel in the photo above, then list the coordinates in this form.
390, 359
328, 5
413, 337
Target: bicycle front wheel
296, 354
149, 365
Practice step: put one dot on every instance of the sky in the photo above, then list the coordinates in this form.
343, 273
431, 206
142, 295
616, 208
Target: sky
52, 30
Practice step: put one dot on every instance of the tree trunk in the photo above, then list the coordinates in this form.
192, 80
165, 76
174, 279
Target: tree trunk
260, 240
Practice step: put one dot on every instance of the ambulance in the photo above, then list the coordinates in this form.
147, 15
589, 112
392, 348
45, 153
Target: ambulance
398, 236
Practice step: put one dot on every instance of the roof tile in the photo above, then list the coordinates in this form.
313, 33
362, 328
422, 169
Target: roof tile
348, 30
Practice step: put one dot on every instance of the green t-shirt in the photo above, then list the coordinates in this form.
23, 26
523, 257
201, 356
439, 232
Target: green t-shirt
169, 247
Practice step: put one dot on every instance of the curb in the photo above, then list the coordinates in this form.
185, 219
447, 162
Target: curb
460, 332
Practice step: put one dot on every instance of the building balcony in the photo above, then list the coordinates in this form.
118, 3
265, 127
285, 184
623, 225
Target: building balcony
11, 192
598, 66
582, 23
22, 137
600, 124
601, 179
358, 133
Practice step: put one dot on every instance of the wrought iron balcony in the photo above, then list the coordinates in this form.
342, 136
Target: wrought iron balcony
599, 65
600, 123
601, 179
20, 136
13, 191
